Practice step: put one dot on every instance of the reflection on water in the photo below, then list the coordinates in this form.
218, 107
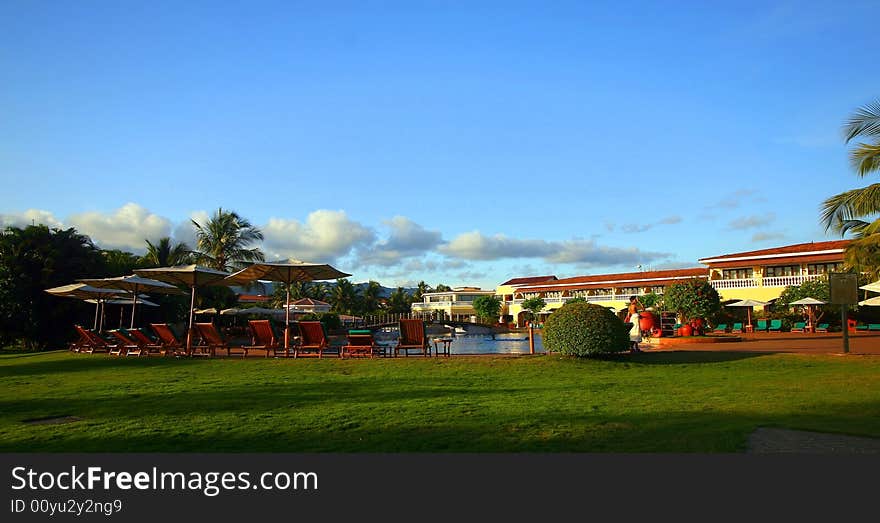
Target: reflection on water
509, 343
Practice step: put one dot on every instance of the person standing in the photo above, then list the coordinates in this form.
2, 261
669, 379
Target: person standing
635, 333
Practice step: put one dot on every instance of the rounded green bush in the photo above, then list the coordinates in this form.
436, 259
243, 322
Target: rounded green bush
585, 329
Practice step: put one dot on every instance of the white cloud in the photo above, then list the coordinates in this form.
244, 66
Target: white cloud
126, 228
476, 246
30, 217
767, 236
324, 237
407, 239
751, 222
185, 232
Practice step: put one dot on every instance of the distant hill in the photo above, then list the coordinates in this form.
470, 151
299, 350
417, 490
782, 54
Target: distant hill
267, 288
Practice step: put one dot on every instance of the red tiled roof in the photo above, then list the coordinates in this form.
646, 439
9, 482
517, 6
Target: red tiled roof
626, 279
797, 249
528, 280
309, 301
253, 298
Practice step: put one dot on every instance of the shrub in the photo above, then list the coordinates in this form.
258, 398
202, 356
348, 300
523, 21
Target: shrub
585, 329
692, 299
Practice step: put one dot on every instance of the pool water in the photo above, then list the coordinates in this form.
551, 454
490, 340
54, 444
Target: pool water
509, 343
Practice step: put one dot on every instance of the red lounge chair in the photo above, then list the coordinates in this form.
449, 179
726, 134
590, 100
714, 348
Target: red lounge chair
313, 340
212, 340
147, 345
168, 340
412, 337
263, 338
360, 345
126, 343
95, 342
81, 343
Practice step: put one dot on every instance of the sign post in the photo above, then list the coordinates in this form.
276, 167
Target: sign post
844, 288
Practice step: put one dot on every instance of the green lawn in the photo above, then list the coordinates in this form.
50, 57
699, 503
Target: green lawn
661, 402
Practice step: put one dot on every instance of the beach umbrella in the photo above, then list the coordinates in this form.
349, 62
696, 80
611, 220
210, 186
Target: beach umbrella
134, 284
874, 287
84, 291
871, 302
809, 303
259, 310
192, 276
286, 272
232, 311
210, 310
749, 304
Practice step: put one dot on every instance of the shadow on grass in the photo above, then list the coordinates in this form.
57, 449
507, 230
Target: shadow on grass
87, 362
678, 357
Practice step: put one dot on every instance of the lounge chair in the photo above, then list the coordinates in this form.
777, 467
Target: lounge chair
168, 340
360, 344
146, 344
263, 338
861, 327
412, 337
874, 326
81, 343
96, 343
737, 327
761, 325
211, 339
721, 327
775, 326
798, 326
313, 340
126, 346
822, 327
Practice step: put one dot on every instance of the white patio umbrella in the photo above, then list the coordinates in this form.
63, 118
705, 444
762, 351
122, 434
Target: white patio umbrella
871, 302
193, 276
286, 272
134, 284
232, 311
83, 291
259, 310
874, 287
210, 310
750, 304
809, 303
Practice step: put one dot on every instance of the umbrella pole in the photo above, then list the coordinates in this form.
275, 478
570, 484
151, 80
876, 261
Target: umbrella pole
287, 321
97, 307
192, 304
134, 302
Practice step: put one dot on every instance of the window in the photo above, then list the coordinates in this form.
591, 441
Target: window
824, 268
736, 274
782, 270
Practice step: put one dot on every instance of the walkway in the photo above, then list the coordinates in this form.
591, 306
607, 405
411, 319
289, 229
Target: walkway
819, 343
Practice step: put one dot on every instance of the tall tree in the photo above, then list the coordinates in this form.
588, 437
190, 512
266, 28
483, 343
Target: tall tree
421, 289
164, 253
344, 297
222, 242
400, 301
846, 211
119, 263
33, 259
371, 294
487, 308
442, 288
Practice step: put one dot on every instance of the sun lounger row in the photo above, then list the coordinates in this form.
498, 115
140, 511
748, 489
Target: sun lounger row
774, 326
312, 340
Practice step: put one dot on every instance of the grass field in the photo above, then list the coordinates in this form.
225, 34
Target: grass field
654, 402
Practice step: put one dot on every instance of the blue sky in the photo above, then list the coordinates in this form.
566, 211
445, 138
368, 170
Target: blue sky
453, 142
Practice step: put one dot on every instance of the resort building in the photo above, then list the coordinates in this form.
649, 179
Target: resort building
764, 274
609, 290
454, 304
308, 305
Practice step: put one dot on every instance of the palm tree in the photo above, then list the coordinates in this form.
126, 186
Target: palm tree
400, 301
163, 254
844, 212
371, 294
222, 243
421, 289
344, 297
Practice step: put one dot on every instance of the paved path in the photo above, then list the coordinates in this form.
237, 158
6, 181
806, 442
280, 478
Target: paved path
819, 343
776, 441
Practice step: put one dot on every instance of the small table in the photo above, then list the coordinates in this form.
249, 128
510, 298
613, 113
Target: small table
446, 346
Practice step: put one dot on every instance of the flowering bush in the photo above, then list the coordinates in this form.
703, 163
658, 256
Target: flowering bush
692, 299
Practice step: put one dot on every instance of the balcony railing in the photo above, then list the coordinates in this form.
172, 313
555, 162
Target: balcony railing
741, 283
769, 281
441, 304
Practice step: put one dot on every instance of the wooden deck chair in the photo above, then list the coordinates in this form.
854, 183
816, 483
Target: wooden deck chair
126, 346
737, 327
798, 326
96, 343
775, 326
874, 326
147, 345
822, 327
168, 340
360, 345
313, 340
412, 337
81, 343
213, 340
263, 338
761, 326
721, 327
861, 327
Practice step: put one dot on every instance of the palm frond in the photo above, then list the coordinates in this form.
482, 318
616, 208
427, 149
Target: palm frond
850, 205
865, 158
864, 122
